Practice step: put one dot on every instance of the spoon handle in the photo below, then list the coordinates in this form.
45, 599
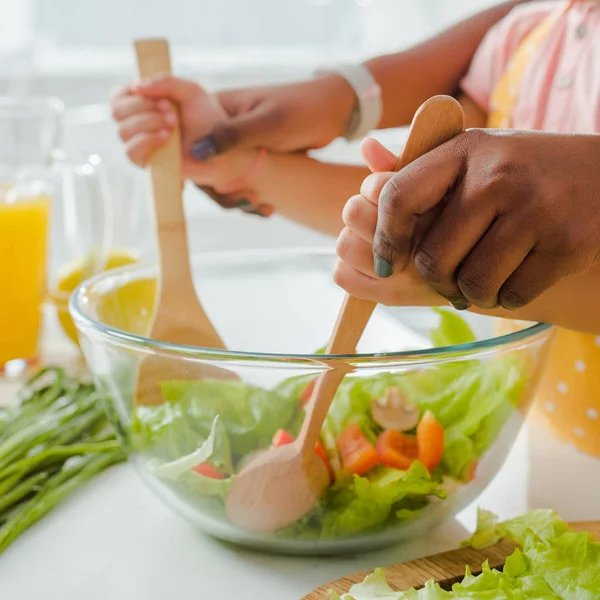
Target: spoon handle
349, 327
164, 166
437, 121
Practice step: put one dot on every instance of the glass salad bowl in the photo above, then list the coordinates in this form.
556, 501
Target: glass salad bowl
415, 433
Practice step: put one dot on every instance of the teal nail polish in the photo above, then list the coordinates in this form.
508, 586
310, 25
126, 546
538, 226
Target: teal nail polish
460, 306
382, 267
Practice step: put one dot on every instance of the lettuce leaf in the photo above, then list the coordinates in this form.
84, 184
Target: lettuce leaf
215, 449
452, 330
249, 414
553, 563
383, 497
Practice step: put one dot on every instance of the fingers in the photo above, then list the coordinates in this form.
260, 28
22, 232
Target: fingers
493, 261
142, 145
356, 283
538, 273
412, 192
356, 252
360, 215
456, 229
127, 105
166, 86
143, 124
229, 202
147, 123
377, 157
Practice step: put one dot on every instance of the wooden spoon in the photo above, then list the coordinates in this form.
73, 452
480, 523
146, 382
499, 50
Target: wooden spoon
282, 484
178, 316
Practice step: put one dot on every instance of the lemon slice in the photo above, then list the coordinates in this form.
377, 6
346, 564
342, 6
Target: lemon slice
74, 273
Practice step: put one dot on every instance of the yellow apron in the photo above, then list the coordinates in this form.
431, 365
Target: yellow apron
569, 397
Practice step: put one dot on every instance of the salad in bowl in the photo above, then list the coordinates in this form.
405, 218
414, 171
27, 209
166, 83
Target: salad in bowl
410, 439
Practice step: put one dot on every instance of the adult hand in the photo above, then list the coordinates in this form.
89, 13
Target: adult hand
492, 217
284, 118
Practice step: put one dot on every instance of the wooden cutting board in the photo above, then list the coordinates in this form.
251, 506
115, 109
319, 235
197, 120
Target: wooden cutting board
447, 568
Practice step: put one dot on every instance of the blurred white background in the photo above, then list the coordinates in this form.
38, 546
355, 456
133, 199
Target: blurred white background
79, 50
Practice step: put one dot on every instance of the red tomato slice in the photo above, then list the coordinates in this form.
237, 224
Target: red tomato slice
208, 471
396, 449
357, 453
282, 438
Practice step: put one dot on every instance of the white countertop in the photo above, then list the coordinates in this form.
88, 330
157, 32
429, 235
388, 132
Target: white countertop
114, 540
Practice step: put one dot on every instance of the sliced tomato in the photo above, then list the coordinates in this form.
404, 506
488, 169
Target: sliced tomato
320, 451
396, 449
307, 393
282, 438
430, 438
357, 453
209, 471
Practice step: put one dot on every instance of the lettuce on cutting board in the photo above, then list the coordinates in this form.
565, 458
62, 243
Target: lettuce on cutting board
553, 563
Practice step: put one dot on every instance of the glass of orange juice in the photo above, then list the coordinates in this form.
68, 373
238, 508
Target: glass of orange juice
24, 224
30, 130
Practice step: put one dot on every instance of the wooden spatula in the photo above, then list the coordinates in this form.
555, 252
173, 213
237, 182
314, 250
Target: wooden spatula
447, 568
178, 316
282, 484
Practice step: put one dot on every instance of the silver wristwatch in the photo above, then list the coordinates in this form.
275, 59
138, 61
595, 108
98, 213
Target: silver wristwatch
367, 113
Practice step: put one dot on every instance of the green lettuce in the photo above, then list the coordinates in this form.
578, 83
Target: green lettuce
215, 449
227, 421
361, 504
180, 472
249, 414
451, 331
552, 563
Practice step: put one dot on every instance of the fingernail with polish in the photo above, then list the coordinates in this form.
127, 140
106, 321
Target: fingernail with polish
164, 105
204, 149
382, 267
460, 306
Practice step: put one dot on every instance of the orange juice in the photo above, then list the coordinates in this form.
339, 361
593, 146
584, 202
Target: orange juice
23, 256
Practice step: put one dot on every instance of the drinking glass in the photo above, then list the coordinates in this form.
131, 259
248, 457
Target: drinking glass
56, 227
29, 132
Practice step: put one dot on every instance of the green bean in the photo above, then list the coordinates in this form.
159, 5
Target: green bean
39, 431
77, 427
28, 464
53, 491
7, 483
10, 512
54, 440
31, 484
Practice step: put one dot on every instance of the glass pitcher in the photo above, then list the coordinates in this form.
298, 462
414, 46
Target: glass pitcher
55, 214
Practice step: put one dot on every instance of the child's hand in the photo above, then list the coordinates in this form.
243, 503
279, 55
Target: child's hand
146, 114
355, 270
